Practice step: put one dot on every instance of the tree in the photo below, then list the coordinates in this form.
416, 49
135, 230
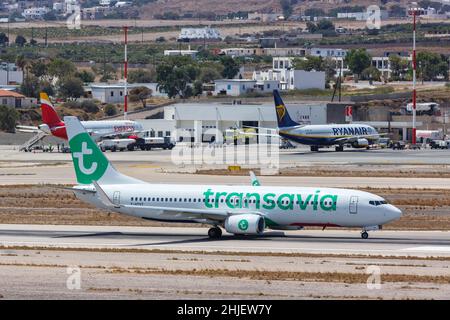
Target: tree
39, 68
175, 74
71, 87
399, 67
311, 27
371, 73
20, 40
3, 38
30, 86
89, 106
431, 65
324, 25
231, 68
198, 88
358, 60
142, 76
140, 94
107, 71
61, 68
286, 6
110, 110
208, 75
85, 76
309, 64
8, 118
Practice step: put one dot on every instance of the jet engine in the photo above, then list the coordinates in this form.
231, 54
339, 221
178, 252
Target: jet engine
360, 143
245, 224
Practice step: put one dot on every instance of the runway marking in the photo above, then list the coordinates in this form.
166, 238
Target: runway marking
429, 248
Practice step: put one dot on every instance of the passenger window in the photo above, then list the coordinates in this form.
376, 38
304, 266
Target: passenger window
132, 198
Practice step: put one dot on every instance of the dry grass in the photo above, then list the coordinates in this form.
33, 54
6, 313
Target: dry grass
341, 277
225, 253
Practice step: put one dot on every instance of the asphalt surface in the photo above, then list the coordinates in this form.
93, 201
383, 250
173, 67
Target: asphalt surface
395, 243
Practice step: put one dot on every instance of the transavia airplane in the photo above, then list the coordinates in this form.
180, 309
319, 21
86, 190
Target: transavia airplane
316, 136
54, 126
245, 210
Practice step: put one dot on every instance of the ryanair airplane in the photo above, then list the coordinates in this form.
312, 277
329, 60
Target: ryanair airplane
357, 135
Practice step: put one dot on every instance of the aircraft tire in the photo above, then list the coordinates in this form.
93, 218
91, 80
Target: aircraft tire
215, 233
364, 235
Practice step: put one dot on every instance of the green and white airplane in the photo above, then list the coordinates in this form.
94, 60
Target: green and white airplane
242, 210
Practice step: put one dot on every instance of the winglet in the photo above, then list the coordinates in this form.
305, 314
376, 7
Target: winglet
254, 179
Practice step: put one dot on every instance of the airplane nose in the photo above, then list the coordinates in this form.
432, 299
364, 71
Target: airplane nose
394, 212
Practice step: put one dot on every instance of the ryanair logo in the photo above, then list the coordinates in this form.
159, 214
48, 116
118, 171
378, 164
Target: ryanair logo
281, 112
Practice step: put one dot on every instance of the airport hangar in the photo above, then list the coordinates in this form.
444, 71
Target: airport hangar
186, 119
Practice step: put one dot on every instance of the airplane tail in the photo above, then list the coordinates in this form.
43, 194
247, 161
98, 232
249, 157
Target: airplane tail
49, 115
89, 162
283, 118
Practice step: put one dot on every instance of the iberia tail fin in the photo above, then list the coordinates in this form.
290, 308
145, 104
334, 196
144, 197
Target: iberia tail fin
49, 114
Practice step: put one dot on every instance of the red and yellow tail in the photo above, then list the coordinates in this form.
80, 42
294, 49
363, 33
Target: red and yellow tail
49, 115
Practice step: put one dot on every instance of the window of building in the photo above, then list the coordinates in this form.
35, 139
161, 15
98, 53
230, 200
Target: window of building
229, 87
160, 134
167, 133
121, 93
112, 93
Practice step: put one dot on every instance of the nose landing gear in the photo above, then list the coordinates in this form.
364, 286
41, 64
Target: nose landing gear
215, 233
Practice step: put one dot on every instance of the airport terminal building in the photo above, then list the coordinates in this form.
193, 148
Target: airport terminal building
199, 121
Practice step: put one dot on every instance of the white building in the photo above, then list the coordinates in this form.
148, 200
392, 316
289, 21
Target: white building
234, 87
191, 53
361, 16
239, 52
105, 3
114, 93
201, 121
328, 52
192, 34
289, 78
285, 52
35, 13
10, 74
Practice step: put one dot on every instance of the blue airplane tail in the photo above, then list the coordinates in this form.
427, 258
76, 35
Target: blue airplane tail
283, 118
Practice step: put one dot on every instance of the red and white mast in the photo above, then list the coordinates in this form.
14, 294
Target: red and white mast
414, 12
125, 74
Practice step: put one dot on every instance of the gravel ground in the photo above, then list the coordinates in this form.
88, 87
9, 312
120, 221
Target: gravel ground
27, 274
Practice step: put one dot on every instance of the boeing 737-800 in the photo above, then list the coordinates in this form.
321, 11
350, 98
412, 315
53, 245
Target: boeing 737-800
54, 126
247, 210
316, 136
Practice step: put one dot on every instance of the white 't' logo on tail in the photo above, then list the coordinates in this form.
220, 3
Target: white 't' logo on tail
80, 157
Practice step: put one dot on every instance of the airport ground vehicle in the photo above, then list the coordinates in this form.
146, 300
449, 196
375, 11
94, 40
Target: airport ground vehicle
151, 143
240, 209
440, 144
384, 143
399, 145
115, 144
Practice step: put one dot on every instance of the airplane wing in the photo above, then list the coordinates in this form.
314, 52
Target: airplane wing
212, 214
28, 129
355, 138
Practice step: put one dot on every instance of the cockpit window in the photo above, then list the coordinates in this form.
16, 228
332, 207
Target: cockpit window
377, 203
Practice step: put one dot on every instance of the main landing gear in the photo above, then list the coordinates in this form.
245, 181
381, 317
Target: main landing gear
364, 235
314, 148
215, 233
339, 148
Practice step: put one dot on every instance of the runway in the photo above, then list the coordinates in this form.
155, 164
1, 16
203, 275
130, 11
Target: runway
333, 242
